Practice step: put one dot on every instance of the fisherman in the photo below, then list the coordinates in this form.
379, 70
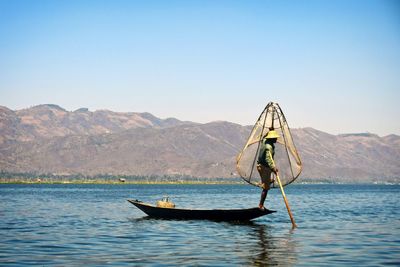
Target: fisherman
266, 165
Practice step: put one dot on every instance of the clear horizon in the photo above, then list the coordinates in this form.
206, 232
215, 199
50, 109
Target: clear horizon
333, 66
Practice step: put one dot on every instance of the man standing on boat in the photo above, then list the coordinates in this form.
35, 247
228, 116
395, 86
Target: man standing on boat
266, 165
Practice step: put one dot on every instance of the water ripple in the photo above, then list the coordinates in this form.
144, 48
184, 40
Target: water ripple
93, 225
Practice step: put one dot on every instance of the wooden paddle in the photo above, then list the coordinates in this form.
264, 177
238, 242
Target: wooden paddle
284, 196
286, 201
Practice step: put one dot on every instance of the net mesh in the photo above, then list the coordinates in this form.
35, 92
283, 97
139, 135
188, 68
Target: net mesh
286, 158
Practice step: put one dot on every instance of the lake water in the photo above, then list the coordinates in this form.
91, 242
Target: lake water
94, 225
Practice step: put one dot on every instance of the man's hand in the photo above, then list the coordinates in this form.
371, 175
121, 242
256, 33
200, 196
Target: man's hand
275, 170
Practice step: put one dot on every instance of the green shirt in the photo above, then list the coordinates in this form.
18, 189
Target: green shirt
266, 154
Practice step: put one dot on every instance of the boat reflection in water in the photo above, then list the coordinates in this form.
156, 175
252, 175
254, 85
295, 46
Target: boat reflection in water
270, 249
210, 243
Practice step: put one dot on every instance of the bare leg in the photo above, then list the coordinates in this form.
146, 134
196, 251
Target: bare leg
263, 197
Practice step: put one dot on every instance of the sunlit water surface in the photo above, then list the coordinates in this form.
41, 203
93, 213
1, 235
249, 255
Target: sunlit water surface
84, 225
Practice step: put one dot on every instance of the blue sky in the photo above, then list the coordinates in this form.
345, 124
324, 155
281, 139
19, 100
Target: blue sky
331, 65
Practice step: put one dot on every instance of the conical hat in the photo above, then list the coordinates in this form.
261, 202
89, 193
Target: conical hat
272, 134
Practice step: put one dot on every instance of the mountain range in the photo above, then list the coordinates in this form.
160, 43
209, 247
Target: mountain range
49, 139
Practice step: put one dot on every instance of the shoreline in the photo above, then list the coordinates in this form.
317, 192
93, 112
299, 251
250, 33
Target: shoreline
103, 182
125, 183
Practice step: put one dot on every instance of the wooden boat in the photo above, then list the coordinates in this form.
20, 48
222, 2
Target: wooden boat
191, 214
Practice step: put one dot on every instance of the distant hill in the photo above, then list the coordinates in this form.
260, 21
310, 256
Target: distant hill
348, 157
49, 139
47, 121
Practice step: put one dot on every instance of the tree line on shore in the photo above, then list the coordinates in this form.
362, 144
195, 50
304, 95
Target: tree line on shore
33, 177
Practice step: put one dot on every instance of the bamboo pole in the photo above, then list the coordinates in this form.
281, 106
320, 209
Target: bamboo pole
286, 202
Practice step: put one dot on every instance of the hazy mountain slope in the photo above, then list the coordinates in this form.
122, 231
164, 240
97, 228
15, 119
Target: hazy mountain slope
348, 157
140, 144
47, 121
192, 150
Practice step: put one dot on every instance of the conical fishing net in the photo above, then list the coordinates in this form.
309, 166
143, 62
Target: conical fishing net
286, 157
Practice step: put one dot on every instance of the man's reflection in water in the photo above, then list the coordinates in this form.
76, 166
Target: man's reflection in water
270, 248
